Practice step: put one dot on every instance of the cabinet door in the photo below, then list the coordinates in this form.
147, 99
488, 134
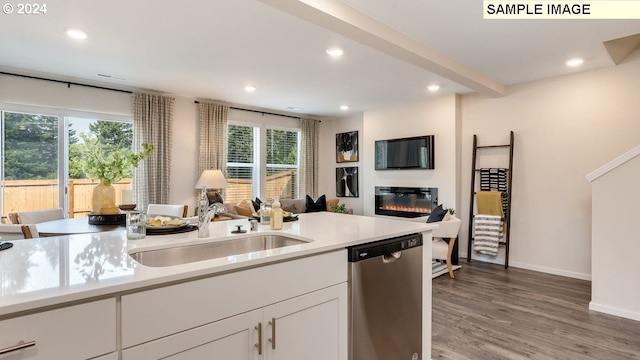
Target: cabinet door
312, 326
74, 332
234, 338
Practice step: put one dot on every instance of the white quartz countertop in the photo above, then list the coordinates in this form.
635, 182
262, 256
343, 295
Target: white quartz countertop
45, 272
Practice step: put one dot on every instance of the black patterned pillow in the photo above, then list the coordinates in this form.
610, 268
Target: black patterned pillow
437, 214
314, 206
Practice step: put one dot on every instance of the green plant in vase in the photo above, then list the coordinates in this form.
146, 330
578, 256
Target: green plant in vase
340, 208
108, 165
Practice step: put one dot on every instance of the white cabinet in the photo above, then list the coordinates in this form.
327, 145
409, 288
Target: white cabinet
234, 338
224, 316
311, 326
75, 332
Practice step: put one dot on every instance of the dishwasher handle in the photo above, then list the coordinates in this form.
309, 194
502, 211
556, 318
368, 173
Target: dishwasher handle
389, 258
385, 248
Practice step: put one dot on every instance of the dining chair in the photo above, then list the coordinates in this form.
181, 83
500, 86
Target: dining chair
11, 232
168, 210
36, 216
441, 249
29, 231
13, 218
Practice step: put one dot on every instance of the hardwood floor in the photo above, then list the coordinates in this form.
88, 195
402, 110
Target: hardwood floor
488, 312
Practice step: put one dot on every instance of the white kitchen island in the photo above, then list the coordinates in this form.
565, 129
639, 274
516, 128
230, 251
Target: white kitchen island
83, 296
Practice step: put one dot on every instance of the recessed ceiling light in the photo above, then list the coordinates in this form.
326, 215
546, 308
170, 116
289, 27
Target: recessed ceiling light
344, 107
249, 88
75, 34
294, 108
335, 52
433, 88
574, 62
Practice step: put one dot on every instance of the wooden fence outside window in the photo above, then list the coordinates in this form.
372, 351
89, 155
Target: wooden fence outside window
25, 195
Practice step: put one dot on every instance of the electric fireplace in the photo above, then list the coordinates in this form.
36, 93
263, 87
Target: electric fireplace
408, 202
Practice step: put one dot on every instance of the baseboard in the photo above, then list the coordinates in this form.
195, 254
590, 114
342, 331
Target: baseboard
614, 311
553, 271
543, 269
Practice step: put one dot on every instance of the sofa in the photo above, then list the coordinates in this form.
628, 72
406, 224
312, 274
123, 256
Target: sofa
246, 208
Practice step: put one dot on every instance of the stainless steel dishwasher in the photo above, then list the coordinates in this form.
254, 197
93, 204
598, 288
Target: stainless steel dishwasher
385, 299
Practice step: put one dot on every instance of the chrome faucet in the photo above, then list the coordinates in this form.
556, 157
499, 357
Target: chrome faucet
204, 220
205, 213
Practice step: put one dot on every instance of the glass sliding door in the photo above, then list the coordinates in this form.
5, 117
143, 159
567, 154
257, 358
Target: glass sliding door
30, 162
40, 167
114, 134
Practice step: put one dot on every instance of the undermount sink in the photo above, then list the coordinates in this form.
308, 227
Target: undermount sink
211, 250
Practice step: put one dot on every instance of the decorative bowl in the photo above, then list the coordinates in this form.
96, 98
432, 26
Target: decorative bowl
127, 207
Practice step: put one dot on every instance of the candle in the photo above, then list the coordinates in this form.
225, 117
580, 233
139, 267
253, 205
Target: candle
127, 197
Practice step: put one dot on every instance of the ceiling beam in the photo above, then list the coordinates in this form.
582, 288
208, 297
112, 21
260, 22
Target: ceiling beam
342, 19
620, 48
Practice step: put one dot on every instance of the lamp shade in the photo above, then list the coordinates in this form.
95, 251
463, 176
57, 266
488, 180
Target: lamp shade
211, 179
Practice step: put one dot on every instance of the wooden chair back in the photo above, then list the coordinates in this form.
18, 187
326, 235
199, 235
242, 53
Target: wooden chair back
38, 216
13, 218
29, 231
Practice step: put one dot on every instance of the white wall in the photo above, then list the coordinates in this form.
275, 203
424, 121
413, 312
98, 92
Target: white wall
616, 241
433, 116
564, 128
184, 154
30, 92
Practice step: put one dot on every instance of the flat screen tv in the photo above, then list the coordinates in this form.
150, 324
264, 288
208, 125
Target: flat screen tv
405, 153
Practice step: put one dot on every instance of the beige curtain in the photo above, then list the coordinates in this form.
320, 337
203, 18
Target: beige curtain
309, 158
152, 123
213, 136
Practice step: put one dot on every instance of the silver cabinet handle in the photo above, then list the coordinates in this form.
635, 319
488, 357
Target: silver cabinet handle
259, 344
21, 345
272, 339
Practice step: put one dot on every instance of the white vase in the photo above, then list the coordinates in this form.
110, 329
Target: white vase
104, 199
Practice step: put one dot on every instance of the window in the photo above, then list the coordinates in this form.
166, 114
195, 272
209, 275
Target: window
262, 162
282, 163
40, 168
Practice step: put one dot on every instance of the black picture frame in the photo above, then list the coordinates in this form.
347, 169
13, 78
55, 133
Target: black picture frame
347, 147
347, 182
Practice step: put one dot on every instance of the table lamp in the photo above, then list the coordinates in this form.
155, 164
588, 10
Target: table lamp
210, 179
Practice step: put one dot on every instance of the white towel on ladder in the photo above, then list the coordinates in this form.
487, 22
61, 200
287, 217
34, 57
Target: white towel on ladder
487, 234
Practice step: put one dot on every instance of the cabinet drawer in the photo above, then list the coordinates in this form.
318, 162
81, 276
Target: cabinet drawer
185, 306
74, 332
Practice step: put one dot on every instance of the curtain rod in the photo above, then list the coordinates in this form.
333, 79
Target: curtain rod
259, 112
69, 83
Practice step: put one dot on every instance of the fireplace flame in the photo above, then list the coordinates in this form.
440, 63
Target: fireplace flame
415, 209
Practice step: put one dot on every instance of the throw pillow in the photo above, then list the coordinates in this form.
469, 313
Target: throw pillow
256, 203
437, 214
314, 206
245, 208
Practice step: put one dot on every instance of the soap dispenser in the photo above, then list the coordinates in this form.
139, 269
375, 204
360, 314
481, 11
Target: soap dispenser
276, 215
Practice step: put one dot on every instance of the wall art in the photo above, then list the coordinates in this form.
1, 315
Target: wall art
347, 181
347, 147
